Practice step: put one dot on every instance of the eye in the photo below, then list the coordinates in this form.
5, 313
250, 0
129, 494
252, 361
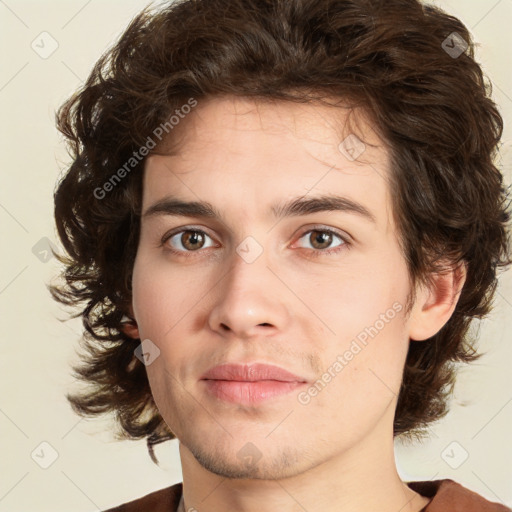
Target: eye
187, 240
320, 240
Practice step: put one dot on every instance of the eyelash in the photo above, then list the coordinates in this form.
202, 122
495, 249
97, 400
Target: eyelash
312, 252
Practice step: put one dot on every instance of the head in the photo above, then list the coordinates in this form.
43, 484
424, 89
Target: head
277, 98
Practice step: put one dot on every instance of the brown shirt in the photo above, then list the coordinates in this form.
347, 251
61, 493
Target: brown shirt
447, 496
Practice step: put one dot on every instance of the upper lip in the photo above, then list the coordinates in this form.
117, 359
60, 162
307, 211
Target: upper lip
250, 373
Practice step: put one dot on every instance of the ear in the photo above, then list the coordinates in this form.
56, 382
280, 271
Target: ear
435, 304
129, 325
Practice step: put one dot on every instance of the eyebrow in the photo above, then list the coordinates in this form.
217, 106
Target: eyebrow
293, 208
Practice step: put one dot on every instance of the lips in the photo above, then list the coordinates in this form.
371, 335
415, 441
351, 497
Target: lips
250, 384
250, 373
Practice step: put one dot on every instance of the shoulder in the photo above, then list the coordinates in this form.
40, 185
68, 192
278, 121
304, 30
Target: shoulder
449, 496
164, 500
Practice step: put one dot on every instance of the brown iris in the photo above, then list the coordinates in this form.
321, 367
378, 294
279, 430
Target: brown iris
195, 238
323, 238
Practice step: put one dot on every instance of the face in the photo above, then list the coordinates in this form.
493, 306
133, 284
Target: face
319, 292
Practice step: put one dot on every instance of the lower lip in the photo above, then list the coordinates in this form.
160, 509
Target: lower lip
250, 393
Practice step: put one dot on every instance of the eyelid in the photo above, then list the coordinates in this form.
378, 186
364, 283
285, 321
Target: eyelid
321, 227
182, 229
345, 239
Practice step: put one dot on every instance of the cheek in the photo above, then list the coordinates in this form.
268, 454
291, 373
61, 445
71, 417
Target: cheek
162, 295
167, 303
349, 300
365, 308
364, 375
157, 308
148, 302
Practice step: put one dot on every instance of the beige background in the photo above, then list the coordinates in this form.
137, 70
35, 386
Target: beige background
93, 472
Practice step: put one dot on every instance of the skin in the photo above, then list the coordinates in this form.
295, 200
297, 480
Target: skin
207, 306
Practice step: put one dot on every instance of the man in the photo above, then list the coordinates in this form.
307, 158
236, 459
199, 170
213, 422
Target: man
280, 240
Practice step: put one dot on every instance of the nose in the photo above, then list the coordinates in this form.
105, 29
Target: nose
250, 301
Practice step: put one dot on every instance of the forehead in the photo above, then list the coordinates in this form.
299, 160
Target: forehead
240, 152
315, 125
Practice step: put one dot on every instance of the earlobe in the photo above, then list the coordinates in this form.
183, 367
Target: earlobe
129, 325
435, 304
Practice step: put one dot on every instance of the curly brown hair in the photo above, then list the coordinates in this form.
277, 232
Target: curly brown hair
431, 106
